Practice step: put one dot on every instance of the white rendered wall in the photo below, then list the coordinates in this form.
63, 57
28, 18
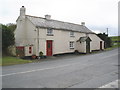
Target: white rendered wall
61, 41
31, 36
20, 34
26, 34
95, 43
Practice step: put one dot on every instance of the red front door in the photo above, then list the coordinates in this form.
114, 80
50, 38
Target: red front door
49, 47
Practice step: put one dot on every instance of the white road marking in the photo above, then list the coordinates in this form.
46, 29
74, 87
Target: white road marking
38, 70
113, 84
45, 68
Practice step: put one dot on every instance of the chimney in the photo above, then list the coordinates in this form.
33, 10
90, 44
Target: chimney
83, 23
48, 17
22, 11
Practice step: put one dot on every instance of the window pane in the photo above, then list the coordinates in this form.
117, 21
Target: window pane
49, 31
71, 44
71, 33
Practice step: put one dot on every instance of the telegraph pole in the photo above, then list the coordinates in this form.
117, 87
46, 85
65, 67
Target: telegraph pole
107, 31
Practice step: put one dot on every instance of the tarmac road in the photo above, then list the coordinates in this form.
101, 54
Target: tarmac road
87, 71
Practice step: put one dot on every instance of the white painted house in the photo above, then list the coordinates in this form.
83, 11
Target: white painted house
35, 34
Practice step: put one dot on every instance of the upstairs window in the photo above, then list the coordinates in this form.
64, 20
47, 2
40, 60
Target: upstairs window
50, 32
71, 44
72, 34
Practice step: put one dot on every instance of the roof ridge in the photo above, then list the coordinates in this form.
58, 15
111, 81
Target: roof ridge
54, 20
67, 22
58, 24
34, 16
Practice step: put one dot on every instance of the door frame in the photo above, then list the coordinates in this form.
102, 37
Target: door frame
51, 46
100, 45
87, 46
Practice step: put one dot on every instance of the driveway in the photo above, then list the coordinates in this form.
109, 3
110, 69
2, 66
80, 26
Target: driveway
87, 71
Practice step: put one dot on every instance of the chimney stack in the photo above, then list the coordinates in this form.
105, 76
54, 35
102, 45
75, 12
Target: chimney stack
48, 17
83, 23
22, 11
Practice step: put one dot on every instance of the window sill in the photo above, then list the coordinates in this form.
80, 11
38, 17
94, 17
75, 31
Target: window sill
72, 36
50, 35
72, 48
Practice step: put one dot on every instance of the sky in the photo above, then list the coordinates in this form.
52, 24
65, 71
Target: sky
98, 15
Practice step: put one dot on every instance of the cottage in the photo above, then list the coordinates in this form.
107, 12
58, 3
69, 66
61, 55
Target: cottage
36, 34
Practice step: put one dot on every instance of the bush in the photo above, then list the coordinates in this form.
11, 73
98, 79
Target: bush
106, 39
7, 37
40, 53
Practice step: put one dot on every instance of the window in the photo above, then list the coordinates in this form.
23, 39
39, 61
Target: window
71, 45
30, 50
71, 34
50, 32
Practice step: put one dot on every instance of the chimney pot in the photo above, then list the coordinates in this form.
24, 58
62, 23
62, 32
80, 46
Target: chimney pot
48, 17
83, 23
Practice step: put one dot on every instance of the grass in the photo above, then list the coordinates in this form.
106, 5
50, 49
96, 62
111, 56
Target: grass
115, 38
0, 61
8, 60
114, 44
110, 48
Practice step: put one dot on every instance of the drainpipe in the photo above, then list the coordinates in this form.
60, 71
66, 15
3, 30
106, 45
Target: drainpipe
38, 41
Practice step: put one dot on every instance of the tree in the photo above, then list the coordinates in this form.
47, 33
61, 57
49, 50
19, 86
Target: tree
106, 39
11, 26
7, 37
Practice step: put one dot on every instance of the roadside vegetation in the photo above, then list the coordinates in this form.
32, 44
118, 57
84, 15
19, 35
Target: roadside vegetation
106, 39
115, 41
7, 37
110, 42
8, 60
0, 61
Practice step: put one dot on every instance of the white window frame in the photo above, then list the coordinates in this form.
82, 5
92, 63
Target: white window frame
71, 44
49, 31
72, 34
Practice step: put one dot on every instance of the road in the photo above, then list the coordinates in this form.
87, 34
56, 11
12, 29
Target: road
86, 71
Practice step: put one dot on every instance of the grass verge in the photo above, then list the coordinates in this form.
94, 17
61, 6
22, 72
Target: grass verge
8, 60
115, 46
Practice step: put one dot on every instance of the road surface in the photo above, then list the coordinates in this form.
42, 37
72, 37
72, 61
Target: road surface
86, 71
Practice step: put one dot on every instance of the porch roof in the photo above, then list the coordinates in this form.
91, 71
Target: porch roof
83, 39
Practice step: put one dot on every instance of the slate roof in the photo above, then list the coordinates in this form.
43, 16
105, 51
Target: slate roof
83, 39
55, 24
